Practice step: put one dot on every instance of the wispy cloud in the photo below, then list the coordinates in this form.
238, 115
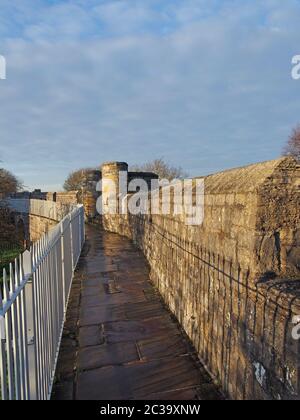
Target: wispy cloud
205, 83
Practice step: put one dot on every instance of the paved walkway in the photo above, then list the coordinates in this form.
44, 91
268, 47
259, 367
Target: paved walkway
120, 341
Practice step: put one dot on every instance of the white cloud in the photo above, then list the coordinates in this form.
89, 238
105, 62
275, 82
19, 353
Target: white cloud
206, 86
124, 16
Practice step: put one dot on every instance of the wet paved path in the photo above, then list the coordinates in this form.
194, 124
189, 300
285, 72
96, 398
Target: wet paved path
120, 341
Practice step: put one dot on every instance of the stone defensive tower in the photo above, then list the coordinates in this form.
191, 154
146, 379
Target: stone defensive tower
115, 178
111, 184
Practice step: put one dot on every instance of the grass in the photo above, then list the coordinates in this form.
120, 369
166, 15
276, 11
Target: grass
8, 256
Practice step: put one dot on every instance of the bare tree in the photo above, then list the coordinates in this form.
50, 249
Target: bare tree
162, 168
9, 183
83, 180
292, 148
78, 180
8, 233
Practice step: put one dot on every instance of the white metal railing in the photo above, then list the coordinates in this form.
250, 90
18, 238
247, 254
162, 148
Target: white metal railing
33, 301
42, 208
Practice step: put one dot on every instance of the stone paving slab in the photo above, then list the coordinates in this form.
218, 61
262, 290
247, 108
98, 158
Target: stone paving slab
99, 314
107, 354
167, 345
112, 298
164, 375
90, 336
123, 331
120, 341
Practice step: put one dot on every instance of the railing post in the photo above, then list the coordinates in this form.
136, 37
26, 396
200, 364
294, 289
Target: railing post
71, 241
83, 227
3, 378
31, 332
79, 231
63, 265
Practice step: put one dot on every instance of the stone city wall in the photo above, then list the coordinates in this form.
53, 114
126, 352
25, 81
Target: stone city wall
234, 282
35, 217
38, 226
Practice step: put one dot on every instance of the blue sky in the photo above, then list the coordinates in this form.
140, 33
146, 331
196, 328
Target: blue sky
205, 83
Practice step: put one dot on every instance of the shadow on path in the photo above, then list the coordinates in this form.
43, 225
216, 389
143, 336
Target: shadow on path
120, 341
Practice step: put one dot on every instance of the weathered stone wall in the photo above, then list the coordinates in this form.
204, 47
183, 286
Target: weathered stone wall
69, 197
33, 226
38, 226
37, 217
90, 195
234, 282
65, 197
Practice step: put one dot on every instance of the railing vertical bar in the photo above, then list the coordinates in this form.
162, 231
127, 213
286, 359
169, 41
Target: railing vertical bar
3, 372
15, 334
56, 296
34, 303
45, 325
52, 307
61, 283
40, 324
25, 334
9, 340
20, 339
63, 264
50, 311
50, 320
35, 316
45, 295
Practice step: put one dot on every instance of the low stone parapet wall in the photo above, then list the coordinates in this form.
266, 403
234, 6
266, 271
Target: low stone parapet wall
234, 282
